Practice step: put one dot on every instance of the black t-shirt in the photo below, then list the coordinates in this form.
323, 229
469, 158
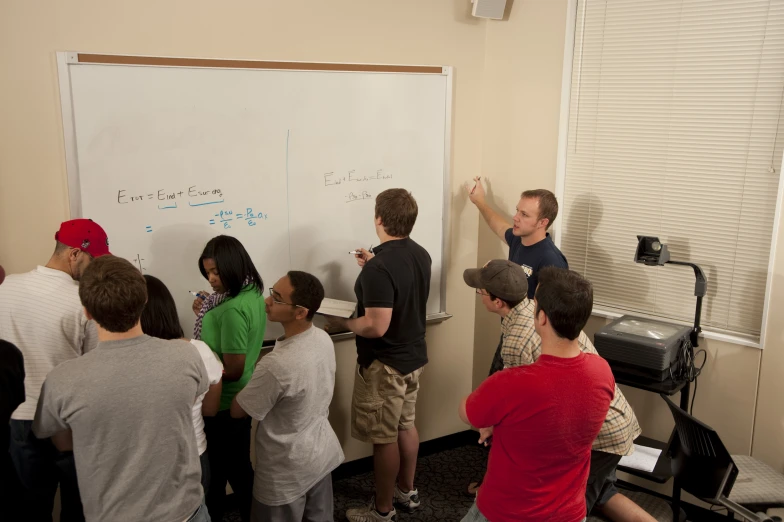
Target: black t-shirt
398, 277
12, 392
535, 257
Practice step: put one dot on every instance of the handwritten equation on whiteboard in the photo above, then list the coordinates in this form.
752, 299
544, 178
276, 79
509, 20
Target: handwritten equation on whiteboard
352, 177
337, 178
194, 195
249, 217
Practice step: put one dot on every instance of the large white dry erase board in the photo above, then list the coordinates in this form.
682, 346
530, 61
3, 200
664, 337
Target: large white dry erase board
287, 157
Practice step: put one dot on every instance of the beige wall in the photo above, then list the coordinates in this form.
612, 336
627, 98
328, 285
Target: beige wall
521, 100
507, 99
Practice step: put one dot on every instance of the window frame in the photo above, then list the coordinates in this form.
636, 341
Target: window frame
560, 185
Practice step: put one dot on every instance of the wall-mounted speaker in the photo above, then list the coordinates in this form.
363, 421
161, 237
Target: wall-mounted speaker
489, 9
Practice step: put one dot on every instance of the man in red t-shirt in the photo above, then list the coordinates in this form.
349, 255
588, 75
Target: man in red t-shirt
545, 416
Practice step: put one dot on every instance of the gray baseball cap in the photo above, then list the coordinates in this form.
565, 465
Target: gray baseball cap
501, 278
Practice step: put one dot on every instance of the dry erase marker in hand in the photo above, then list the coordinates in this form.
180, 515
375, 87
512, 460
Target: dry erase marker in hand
356, 252
475, 183
196, 294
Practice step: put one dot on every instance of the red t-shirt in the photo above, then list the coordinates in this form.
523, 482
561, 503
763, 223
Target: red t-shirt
545, 416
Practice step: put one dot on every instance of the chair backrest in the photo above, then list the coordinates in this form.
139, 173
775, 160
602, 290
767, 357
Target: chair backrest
700, 461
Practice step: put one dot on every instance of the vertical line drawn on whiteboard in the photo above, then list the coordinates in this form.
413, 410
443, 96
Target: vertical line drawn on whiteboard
288, 135
138, 262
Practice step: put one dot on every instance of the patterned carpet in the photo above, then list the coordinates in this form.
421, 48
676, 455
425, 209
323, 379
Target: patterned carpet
441, 479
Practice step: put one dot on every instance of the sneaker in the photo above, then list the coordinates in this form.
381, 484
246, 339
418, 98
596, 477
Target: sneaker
369, 514
407, 502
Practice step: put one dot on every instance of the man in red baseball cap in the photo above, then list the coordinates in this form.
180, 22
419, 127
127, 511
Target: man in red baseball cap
40, 313
77, 237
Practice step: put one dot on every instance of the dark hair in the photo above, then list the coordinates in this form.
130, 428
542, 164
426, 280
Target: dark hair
233, 262
510, 304
113, 291
308, 291
548, 205
398, 210
159, 317
566, 298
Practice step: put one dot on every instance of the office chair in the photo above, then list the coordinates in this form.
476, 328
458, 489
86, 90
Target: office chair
703, 467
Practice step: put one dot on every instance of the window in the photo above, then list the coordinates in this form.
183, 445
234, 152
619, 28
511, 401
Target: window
675, 130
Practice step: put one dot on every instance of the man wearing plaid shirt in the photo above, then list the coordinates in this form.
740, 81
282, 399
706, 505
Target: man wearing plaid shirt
521, 346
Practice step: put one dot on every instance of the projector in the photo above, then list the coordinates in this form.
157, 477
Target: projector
643, 347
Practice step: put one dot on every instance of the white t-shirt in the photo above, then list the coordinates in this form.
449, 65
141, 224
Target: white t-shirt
214, 374
40, 312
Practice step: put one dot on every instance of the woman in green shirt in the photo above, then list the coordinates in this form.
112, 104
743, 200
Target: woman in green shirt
231, 321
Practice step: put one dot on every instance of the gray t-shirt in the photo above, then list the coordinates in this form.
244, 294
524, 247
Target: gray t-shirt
128, 404
289, 394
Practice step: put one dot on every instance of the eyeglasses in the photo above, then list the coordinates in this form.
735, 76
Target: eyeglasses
479, 291
277, 301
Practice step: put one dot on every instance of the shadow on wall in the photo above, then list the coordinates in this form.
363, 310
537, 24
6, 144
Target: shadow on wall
617, 282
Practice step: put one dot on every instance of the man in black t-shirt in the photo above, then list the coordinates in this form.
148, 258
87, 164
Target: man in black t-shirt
392, 292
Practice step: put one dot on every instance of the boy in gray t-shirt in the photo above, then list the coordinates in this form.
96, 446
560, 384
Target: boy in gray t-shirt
290, 393
125, 408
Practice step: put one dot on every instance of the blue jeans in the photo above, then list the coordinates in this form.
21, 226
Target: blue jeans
40, 468
474, 515
201, 514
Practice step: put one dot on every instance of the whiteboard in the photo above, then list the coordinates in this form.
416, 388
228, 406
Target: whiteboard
287, 161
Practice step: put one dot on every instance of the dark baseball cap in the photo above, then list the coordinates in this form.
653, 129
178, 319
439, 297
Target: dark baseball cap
84, 234
501, 278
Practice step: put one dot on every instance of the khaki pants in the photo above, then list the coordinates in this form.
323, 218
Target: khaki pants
384, 401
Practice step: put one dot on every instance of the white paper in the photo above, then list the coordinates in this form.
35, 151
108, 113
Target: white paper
337, 308
643, 458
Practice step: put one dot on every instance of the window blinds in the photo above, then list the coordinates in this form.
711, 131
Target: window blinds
675, 131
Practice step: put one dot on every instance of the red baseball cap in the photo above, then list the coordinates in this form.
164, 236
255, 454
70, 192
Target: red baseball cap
84, 234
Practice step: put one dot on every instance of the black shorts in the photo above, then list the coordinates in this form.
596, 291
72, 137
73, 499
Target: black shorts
601, 479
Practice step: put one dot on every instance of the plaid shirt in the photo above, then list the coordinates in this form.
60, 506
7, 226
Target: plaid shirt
522, 346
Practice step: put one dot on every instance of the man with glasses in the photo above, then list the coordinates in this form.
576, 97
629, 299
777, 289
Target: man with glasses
544, 415
41, 314
289, 394
502, 286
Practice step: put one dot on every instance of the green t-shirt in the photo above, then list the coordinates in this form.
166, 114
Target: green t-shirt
236, 326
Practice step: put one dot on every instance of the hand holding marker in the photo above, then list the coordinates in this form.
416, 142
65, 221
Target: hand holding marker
359, 252
362, 256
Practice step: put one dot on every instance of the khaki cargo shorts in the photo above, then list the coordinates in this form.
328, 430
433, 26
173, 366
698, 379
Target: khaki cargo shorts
383, 402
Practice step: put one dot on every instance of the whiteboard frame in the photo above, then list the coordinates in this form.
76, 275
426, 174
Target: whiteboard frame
67, 59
